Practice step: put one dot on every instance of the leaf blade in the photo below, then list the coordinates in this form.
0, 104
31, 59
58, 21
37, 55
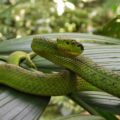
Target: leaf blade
15, 105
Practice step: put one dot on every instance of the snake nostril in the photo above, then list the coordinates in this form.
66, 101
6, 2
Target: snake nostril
73, 43
67, 42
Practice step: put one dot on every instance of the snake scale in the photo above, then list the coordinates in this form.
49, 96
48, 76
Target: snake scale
66, 53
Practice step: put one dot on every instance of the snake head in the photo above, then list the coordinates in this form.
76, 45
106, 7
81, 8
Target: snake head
69, 47
62, 47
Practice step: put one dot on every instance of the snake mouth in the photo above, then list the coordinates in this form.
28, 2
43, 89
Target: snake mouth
82, 47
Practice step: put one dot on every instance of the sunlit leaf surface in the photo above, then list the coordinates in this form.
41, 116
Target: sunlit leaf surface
18, 106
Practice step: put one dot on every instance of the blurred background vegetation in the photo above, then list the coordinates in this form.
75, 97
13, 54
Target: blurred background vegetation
27, 17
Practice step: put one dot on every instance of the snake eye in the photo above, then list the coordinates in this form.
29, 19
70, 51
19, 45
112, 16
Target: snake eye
78, 45
67, 42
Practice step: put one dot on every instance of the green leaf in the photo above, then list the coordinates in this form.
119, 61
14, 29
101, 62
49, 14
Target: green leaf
107, 115
111, 29
79, 117
24, 43
111, 5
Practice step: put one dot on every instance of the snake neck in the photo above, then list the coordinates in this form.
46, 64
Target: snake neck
90, 71
84, 67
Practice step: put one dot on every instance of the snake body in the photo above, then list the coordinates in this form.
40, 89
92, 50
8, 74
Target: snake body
64, 82
84, 67
35, 83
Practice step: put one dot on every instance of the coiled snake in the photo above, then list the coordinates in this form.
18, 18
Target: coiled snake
66, 53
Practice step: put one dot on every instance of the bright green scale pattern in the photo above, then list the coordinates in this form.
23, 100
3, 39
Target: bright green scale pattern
82, 66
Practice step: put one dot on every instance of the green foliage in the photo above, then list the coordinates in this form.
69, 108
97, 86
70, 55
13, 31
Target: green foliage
111, 29
21, 17
111, 5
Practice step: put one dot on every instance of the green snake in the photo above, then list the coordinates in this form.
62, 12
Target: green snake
66, 53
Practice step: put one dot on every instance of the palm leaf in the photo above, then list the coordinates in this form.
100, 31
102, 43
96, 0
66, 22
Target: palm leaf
18, 106
24, 43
